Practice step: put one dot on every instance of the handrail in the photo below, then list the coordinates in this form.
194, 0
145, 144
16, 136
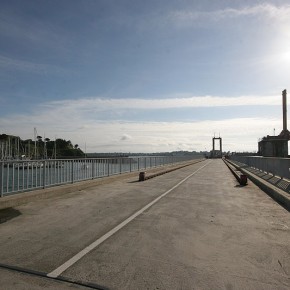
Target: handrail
273, 165
26, 175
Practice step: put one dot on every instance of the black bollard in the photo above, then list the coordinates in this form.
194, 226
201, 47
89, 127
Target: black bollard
142, 176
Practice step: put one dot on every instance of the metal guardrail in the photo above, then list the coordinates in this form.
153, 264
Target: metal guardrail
26, 175
273, 165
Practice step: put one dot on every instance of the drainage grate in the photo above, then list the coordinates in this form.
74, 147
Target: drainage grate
267, 177
283, 184
274, 180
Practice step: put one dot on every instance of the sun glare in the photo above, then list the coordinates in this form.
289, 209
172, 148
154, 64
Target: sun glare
285, 57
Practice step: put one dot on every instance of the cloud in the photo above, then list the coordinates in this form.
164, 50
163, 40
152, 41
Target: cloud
265, 11
77, 120
99, 104
13, 64
125, 137
239, 134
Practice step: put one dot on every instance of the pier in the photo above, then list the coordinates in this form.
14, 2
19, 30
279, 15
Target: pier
192, 228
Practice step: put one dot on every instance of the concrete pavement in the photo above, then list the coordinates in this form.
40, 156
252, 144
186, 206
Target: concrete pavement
205, 232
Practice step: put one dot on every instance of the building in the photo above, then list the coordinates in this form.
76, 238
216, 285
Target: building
276, 146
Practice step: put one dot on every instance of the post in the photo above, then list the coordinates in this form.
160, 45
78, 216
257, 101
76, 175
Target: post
243, 179
1, 178
72, 171
284, 101
142, 176
93, 168
44, 173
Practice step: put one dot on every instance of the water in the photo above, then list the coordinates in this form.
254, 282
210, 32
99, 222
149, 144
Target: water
19, 176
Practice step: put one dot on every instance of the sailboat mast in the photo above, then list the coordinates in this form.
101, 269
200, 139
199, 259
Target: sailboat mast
35, 143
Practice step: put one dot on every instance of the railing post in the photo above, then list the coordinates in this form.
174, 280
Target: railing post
44, 174
72, 171
93, 168
1, 179
108, 167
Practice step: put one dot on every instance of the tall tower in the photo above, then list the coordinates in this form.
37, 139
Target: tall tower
285, 133
284, 102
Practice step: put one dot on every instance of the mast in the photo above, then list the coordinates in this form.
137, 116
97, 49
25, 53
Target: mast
35, 143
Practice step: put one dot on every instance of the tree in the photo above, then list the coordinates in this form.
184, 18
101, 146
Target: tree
42, 147
3, 137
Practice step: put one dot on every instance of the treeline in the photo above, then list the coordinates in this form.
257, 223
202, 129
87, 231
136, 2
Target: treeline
174, 153
41, 148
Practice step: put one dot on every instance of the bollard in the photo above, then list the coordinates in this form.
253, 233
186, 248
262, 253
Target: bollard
243, 179
142, 176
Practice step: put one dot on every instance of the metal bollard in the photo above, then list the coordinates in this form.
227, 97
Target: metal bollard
142, 176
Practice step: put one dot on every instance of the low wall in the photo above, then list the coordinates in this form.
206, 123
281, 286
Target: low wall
274, 165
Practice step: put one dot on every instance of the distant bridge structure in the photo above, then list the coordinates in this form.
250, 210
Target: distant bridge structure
216, 153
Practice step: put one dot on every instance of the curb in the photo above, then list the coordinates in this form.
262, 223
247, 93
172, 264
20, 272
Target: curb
240, 176
143, 177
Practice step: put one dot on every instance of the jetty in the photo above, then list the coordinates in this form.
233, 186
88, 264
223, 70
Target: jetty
195, 227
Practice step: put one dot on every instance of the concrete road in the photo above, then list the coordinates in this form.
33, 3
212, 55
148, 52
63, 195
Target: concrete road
194, 228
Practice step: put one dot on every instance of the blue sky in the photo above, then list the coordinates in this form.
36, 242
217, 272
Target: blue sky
144, 76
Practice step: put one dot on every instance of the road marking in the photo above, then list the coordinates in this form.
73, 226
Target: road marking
55, 273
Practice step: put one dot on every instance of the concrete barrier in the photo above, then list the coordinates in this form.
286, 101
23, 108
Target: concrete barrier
282, 197
240, 176
143, 176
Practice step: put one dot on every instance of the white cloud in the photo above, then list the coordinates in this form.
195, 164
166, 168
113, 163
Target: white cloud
268, 11
76, 120
238, 134
100, 104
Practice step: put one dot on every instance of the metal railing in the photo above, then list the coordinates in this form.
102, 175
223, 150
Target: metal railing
25, 175
273, 165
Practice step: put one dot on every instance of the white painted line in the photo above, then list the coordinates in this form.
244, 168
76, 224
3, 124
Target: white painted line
55, 273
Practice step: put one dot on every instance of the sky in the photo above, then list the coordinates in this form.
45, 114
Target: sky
144, 76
